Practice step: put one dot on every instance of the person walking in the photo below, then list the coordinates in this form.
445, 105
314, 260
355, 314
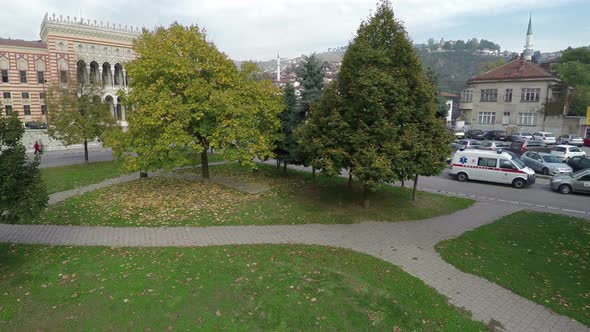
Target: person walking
37, 148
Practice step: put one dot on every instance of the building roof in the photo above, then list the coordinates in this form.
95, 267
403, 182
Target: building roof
515, 70
22, 43
448, 95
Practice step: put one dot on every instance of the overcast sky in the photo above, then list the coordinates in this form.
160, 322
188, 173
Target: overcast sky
258, 29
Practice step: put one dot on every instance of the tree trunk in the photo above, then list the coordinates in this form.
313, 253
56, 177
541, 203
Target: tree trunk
349, 179
313, 174
278, 163
285, 167
415, 186
205, 166
366, 202
85, 151
403, 183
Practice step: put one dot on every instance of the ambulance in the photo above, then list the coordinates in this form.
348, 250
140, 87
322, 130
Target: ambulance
492, 166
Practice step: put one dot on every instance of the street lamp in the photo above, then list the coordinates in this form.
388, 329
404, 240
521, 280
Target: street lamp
45, 102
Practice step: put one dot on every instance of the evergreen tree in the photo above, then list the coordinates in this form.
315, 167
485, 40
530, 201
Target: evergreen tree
22, 191
388, 105
287, 144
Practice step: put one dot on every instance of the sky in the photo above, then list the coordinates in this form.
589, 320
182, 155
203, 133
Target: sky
259, 29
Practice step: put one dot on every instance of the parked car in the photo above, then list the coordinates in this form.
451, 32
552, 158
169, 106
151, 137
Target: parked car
466, 144
459, 133
579, 163
518, 136
474, 134
545, 137
576, 182
545, 163
496, 135
570, 139
520, 147
491, 166
35, 125
565, 152
493, 145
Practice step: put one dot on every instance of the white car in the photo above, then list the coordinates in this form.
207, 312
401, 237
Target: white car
571, 140
565, 152
545, 137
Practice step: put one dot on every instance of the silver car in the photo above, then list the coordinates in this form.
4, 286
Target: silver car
493, 145
577, 182
545, 163
571, 140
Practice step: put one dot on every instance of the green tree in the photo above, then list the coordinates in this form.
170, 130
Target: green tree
312, 80
441, 104
459, 45
431, 44
22, 191
574, 70
77, 114
386, 95
491, 65
472, 44
187, 96
325, 137
287, 143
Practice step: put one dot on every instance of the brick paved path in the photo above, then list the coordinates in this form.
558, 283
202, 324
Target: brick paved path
409, 245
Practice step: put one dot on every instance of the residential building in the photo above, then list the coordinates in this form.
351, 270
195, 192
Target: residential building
518, 96
69, 47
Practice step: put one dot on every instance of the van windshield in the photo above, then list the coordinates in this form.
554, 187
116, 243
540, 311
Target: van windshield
519, 163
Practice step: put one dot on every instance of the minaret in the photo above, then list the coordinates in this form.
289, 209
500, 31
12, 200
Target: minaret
278, 67
528, 48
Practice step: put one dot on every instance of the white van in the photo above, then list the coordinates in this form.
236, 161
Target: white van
491, 166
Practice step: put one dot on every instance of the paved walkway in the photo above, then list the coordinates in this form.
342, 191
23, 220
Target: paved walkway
409, 245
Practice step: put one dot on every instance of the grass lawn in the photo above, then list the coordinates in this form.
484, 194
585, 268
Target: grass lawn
543, 257
291, 200
65, 178
263, 287
70, 177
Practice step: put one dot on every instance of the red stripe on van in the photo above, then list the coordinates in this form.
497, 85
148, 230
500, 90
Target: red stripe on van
490, 168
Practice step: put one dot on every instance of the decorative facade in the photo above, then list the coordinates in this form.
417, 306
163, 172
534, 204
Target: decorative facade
90, 49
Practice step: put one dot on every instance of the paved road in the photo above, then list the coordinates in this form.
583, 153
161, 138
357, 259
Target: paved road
73, 157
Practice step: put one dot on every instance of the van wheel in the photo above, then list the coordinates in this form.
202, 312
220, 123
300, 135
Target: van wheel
462, 177
565, 189
518, 183
545, 171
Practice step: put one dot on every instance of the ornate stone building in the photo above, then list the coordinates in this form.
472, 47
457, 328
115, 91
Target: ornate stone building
93, 50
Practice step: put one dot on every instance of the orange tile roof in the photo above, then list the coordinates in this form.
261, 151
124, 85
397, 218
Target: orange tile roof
514, 70
22, 43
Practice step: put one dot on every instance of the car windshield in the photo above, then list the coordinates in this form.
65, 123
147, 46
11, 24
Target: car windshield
576, 137
575, 150
551, 159
549, 135
525, 134
580, 173
502, 145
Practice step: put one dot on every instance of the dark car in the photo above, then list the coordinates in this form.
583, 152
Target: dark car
579, 163
474, 134
496, 135
35, 125
520, 147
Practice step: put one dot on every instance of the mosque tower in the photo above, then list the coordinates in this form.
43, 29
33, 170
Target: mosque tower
528, 48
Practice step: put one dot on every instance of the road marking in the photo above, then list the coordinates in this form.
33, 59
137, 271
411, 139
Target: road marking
574, 211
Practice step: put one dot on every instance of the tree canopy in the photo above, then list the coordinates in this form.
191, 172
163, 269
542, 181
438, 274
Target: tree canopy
77, 114
383, 108
574, 70
187, 96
